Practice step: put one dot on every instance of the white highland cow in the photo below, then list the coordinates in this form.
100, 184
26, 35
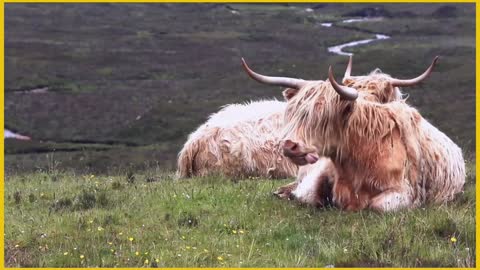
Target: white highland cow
241, 140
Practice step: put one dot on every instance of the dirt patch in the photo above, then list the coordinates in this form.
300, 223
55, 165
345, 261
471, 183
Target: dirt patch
17, 256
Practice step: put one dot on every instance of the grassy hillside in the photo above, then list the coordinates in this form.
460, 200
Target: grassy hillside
70, 220
122, 86
140, 77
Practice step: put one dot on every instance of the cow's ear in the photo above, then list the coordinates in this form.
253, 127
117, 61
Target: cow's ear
289, 93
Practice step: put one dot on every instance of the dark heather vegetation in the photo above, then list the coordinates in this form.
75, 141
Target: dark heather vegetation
109, 93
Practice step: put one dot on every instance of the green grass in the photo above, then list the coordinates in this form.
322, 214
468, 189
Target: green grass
54, 218
127, 84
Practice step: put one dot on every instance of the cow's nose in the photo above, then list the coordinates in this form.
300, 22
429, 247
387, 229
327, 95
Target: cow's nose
289, 148
292, 196
289, 145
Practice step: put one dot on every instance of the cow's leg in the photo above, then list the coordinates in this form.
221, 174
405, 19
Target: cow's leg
391, 200
284, 192
346, 198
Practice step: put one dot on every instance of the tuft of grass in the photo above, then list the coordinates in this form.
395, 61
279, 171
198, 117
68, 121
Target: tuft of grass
130, 177
86, 200
61, 204
17, 196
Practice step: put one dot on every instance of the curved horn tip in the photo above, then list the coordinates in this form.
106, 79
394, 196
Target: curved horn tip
345, 92
423, 76
244, 63
330, 71
348, 70
249, 71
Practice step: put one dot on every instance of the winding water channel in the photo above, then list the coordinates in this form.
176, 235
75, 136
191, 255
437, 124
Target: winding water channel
338, 49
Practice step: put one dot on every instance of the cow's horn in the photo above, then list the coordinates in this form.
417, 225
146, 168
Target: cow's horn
281, 81
348, 71
345, 92
397, 82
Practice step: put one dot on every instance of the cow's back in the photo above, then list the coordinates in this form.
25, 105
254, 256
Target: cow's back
441, 164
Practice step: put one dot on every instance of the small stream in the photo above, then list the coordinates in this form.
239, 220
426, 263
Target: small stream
338, 49
8, 134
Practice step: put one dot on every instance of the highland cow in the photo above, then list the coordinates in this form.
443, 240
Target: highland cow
241, 140
386, 155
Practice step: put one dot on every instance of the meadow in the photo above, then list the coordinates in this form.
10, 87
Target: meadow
125, 85
57, 219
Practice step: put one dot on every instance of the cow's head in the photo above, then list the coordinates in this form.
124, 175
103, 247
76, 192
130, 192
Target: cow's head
327, 105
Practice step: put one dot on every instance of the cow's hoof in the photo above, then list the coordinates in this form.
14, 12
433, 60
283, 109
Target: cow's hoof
282, 193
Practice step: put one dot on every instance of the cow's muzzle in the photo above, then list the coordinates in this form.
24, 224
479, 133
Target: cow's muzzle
299, 153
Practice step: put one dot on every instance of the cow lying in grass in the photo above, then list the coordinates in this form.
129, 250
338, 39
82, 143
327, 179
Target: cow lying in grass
241, 140
386, 156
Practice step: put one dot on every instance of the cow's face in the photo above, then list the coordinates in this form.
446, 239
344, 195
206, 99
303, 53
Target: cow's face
310, 108
315, 183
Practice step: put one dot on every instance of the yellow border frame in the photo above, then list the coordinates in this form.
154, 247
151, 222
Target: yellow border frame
2, 84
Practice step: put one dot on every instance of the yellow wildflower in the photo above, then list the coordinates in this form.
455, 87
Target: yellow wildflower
82, 256
17, 246
234, 231
130, 239
65, 253
183, 237
453, 239
205, 250
241, 231
146, 253
157, 260
90, 221
187, 247
146, 261
100, 228
220, 258
110, 243
137, 253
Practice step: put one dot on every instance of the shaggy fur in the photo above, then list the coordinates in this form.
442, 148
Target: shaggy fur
386, 155
241, 140
373, 87
314, 183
